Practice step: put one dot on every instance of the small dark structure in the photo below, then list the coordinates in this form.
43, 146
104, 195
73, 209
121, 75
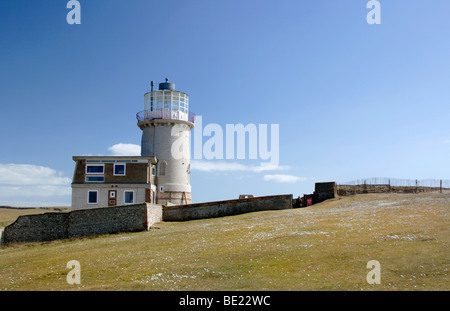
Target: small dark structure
246, 196
324, 191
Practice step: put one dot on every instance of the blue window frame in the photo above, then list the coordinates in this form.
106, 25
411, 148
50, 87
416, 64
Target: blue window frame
95, 178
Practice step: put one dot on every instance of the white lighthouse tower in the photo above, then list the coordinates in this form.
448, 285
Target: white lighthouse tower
166, 124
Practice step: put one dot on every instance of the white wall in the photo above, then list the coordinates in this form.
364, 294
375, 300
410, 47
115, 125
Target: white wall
80, 194
157, 140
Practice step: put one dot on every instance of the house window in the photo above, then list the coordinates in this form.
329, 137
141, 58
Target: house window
153, 170
128, 197
95, 169
119, 169
95, 178
92, 197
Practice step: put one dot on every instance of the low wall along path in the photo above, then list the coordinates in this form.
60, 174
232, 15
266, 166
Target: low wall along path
79, 223
128, 218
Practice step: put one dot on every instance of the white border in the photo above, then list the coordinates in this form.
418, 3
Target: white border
86, 177
91, 164
88, 197
134, 196
124, 169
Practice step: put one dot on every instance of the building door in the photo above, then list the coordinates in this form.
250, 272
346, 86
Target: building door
112, 197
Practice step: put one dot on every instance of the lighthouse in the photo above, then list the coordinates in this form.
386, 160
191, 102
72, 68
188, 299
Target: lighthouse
166, 123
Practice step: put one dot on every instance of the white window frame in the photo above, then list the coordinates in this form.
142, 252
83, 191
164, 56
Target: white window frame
96, 173
89, 191
98, 181
124, 196
124, 169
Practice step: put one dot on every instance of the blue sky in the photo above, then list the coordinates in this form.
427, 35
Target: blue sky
352, 100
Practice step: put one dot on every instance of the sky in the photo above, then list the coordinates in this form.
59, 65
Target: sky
351, 99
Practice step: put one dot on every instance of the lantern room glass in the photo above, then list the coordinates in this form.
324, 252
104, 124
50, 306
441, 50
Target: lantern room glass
166, 104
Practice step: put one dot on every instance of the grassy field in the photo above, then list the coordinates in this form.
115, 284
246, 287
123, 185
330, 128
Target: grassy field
322, 247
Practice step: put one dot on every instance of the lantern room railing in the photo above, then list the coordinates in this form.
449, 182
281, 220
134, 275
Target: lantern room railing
165, 114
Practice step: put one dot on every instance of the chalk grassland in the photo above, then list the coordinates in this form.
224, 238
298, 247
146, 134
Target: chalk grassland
9, 215
322, 247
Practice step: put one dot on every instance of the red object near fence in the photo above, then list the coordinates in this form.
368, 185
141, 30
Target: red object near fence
308, 201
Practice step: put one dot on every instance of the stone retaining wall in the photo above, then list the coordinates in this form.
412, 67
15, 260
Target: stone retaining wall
324, 191
129, 218
344, 190
226, 208
95, 221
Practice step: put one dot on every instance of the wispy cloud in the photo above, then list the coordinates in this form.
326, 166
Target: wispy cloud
125, 150
27, 174
224, 166
26, 183
284, 178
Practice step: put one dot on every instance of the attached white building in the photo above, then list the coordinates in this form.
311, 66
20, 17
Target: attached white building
109, 181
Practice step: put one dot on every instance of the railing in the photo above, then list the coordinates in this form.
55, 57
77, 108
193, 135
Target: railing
166, 114
395, 182
392, 185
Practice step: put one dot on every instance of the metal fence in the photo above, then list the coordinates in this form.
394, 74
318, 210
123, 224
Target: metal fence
395, 182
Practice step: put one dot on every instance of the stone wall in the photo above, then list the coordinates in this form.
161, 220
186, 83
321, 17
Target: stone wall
344, 190
324, 191
95, 221
226, 208
154, 214
128, 218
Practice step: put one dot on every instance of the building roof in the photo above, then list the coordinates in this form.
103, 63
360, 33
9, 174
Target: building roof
112, 159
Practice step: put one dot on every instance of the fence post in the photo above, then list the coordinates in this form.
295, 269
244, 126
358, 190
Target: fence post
440, 187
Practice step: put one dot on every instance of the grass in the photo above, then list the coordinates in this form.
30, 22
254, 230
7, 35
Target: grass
322, 247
